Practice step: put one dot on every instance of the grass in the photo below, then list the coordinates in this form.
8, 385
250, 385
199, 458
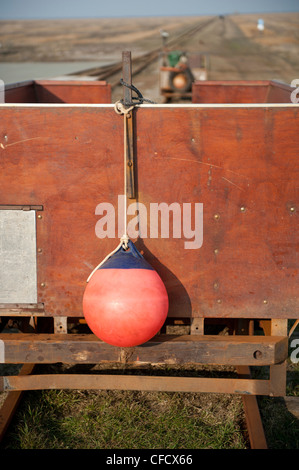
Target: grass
60, 419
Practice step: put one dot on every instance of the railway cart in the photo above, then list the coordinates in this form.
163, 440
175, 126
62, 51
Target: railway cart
179, 71
233, 165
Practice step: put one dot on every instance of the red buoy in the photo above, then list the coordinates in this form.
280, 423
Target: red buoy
125, 302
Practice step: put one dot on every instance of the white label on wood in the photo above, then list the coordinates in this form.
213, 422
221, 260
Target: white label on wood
18, 278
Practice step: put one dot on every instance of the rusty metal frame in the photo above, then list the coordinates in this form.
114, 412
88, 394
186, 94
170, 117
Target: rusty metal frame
73, 350
237, 350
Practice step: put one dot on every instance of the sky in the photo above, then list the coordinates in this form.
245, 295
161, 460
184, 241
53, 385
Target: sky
39, 9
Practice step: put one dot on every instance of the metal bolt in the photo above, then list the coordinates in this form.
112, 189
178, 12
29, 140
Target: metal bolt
243, 209
39, 250
216, 251
257, 354
219, 301
216, 216
42, 284
292, 209
39, 216
130, 164
265, 301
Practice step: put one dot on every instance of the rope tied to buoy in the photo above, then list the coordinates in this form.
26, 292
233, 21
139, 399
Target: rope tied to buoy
124, 109
121, 109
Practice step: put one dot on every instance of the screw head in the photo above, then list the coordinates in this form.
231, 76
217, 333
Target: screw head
216, 216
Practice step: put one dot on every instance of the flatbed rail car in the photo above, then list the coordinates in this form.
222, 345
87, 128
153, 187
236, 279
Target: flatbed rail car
60, 160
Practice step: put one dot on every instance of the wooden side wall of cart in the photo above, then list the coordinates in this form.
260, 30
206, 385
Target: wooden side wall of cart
60, 160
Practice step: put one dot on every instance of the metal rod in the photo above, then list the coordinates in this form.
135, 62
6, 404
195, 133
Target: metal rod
127, 77
135, 382
129, 125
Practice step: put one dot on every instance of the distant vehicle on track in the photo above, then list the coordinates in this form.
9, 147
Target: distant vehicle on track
179, 70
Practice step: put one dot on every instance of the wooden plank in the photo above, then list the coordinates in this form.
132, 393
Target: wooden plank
246, 266
164, 349
144, 383
11, 402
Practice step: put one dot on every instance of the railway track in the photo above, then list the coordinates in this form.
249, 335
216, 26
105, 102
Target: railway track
111, 72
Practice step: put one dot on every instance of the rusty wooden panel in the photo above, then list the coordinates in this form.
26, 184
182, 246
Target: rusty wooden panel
65, 158
75, 91
279, 93
23, 92
240, 163
230, 91
227, 350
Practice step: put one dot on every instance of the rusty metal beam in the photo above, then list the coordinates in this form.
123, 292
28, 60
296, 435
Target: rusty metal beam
138, 382
254, 423
128, 128
11, 402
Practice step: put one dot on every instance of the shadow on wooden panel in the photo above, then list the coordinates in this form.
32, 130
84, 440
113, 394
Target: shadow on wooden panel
179, 300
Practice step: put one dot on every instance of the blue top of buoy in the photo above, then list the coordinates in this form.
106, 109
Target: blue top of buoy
126, 259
